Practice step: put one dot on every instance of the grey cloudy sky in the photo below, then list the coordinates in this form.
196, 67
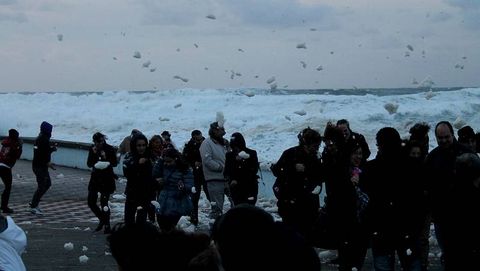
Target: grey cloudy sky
358, 43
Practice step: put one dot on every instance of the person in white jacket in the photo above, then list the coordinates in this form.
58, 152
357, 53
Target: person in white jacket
13, 242
213, 151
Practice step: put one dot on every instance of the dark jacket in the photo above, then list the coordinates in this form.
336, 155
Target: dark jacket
393, 215
42, 151
102, 180
140, 183
441, 179
297, 205
191, 152
173, 200
10, 152
242, 170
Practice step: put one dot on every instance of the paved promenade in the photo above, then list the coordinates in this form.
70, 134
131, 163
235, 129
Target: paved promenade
67, 218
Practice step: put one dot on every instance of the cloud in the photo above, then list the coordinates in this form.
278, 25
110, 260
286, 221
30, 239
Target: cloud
441, 17
170, 12
7, 2
18, 17
465, 4
280, 13
470, 11
265, 13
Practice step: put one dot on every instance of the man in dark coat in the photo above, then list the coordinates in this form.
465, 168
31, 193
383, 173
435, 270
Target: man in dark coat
42, 154
441, 179
102, 159
298, 178
10, 152
191, 152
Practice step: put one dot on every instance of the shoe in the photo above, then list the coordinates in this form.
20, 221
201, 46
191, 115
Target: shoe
107, 229
99, 227
7, 210
36, 211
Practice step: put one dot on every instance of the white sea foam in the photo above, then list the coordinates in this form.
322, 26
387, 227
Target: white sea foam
267, 120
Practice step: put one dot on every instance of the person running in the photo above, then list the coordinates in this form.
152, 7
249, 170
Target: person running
10, 152
102, 160
42, 153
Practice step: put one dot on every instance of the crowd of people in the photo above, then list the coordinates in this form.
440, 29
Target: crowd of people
385, 204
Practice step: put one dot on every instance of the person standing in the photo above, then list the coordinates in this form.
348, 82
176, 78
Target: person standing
10, 152
441, 179
176, 181
191, 152
297, 186
42, 154
352, 138
102, 160
140, 190
241, 167
393, 216
213, 151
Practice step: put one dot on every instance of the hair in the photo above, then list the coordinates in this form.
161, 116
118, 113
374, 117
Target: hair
389, 141
237, 140
180, 162
419, 130
448, 124
248, 232
465, 134
13, 134
141, 246
133, 142
309, 136
343, 121
98, 136
196, 133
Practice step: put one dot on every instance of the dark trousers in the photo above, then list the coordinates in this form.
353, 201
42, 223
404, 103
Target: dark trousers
133, 215
43, 184
199, 182
102, 213
6, 175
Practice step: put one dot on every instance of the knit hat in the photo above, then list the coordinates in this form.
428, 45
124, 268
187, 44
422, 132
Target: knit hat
13, 134
46, 127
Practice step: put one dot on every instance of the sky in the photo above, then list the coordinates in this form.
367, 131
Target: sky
65, 45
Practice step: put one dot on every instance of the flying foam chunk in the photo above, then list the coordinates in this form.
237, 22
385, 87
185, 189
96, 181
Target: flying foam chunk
301, 46
211, 17
137, 54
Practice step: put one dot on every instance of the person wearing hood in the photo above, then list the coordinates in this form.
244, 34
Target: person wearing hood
10, 152
213, 151
102, 159
241, 167
140, 190
42, 155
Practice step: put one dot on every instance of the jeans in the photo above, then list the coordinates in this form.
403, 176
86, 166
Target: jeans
43, 184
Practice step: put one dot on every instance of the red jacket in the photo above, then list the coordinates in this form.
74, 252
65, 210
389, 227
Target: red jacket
10, 152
